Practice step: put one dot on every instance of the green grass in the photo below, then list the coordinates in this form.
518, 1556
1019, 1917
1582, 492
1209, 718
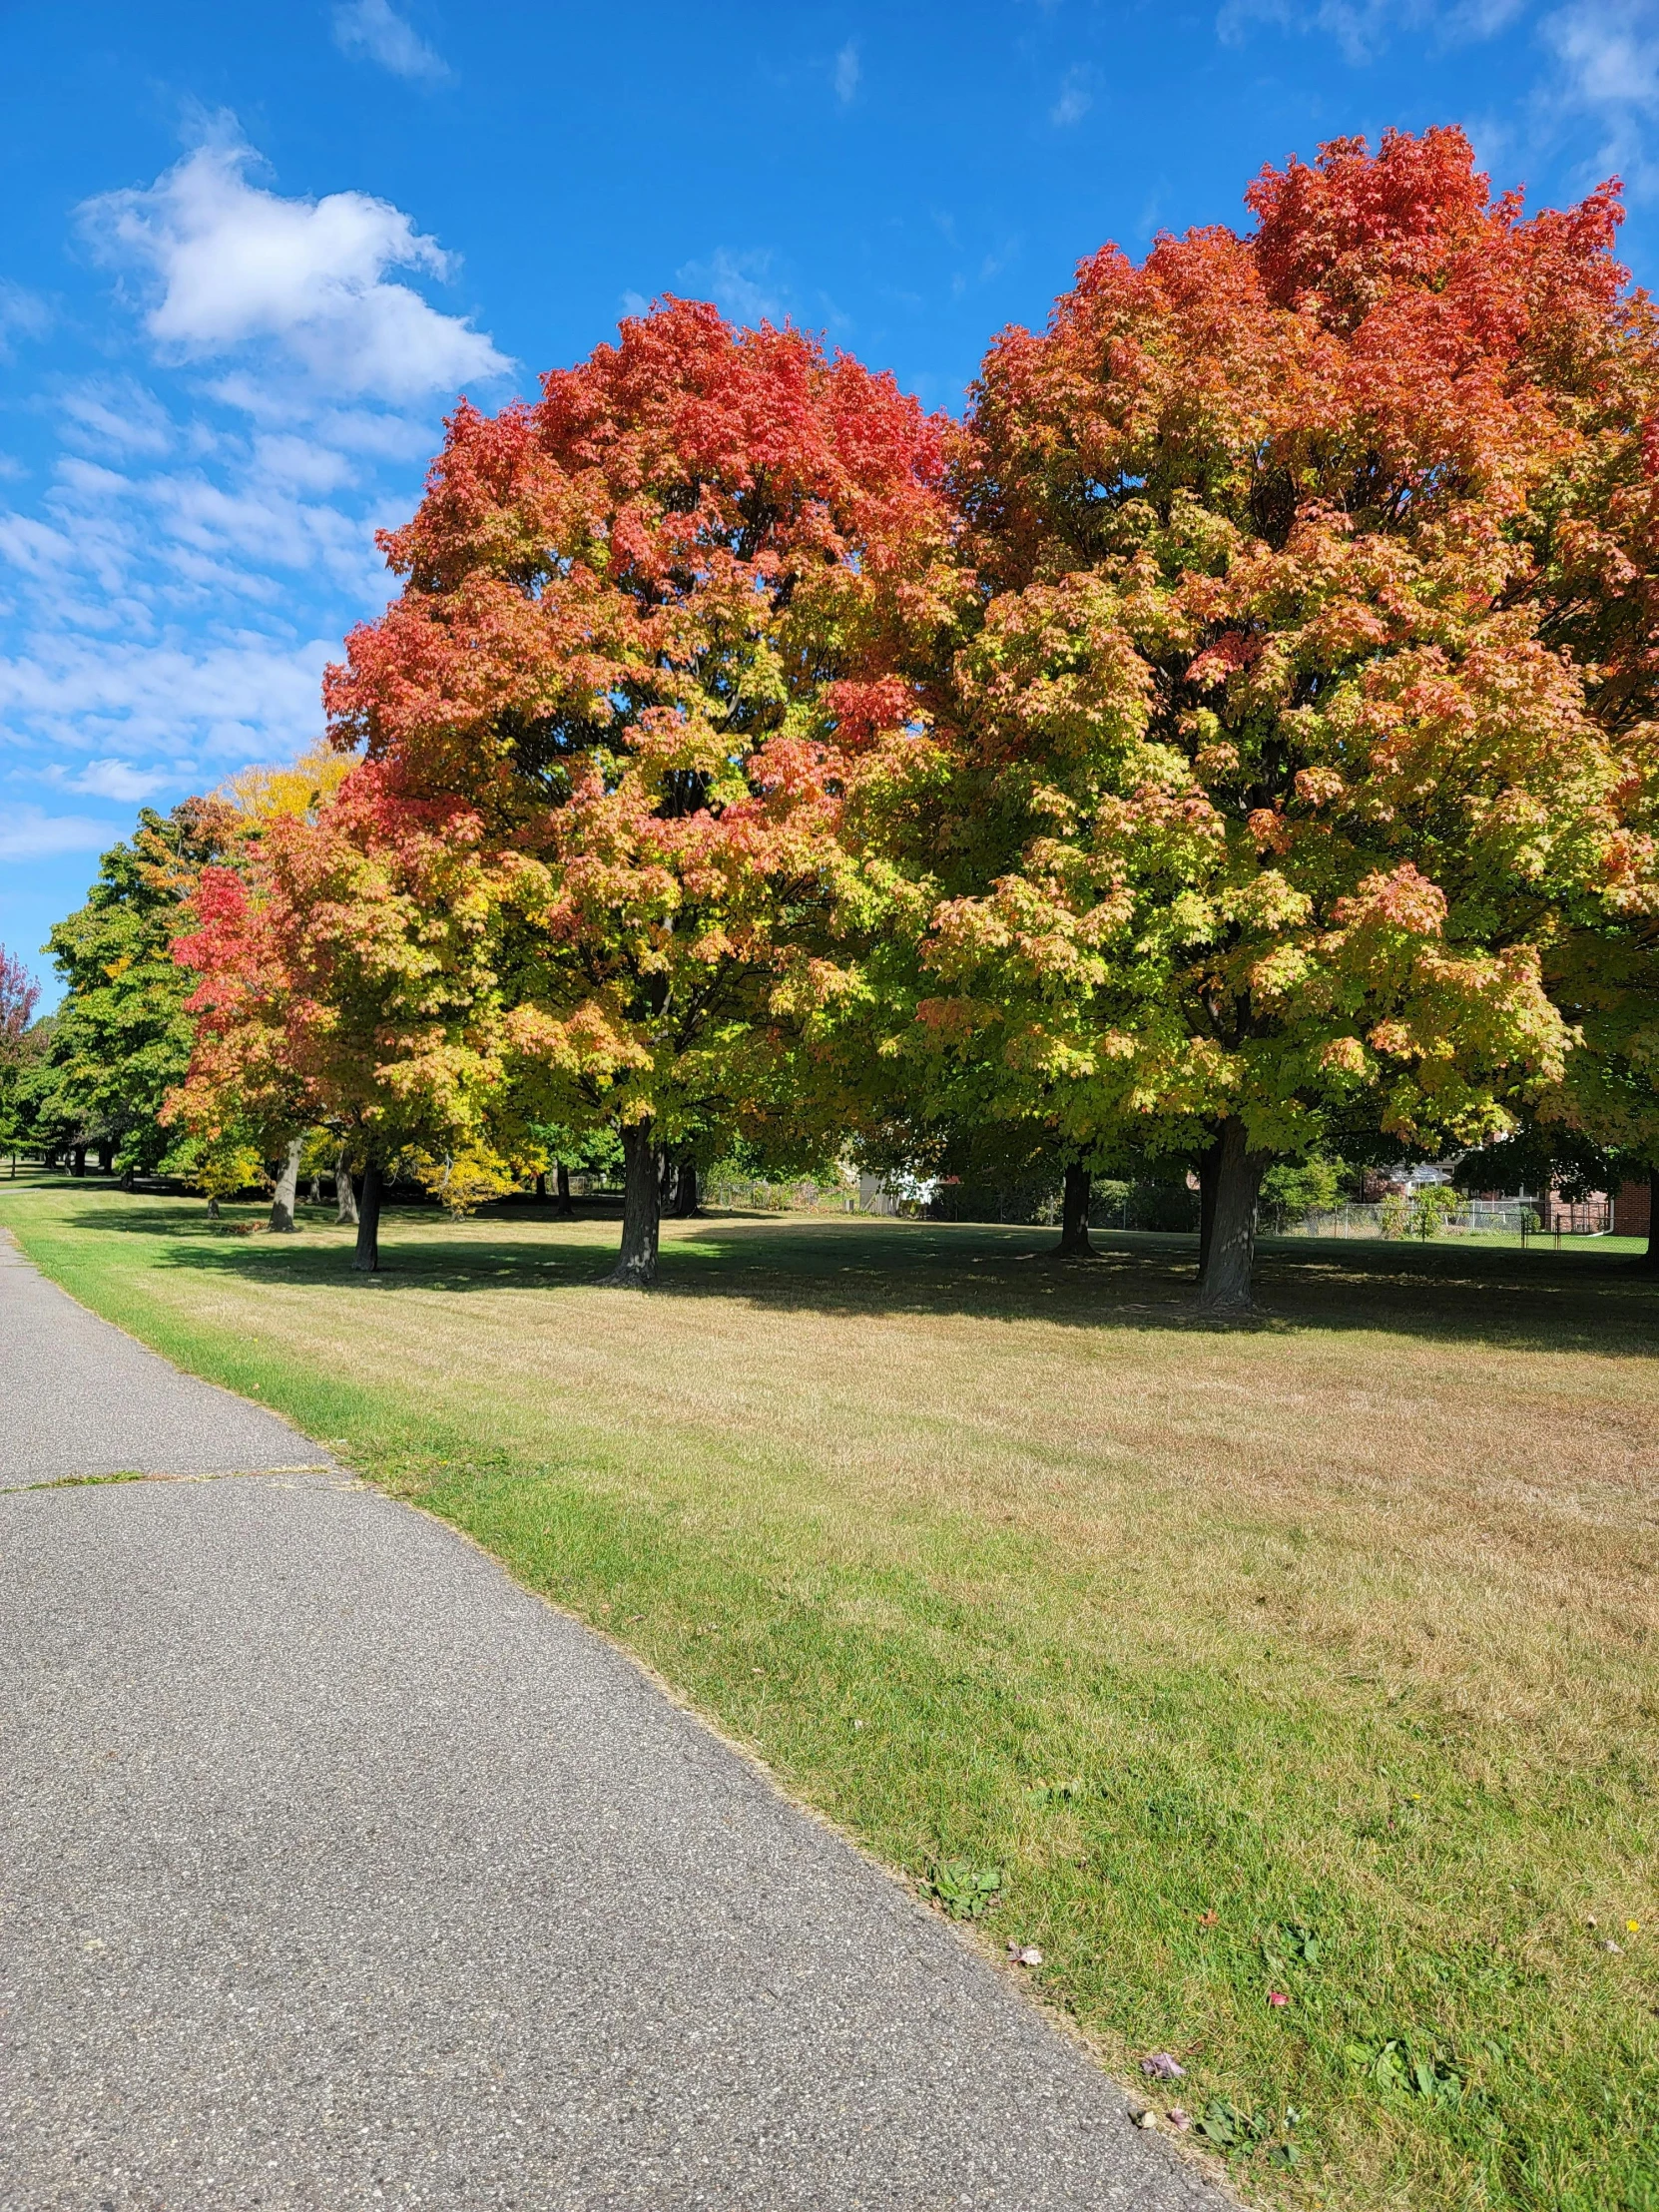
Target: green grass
1315, 1656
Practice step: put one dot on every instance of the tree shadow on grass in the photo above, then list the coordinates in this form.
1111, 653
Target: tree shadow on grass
1578, 1300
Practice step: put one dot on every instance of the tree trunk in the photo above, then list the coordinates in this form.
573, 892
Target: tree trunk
126, 1177
561, 1184
685, 1191
636, 1267
316, 1190
541, 1186
1224, 1283
287, 1185
1074, 1212
1209, 1168
106, 1156
366, 1258
78, 1160
213, 1206
346, 1198
1651, 1257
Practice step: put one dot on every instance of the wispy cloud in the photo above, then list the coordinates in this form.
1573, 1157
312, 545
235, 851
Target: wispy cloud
177, 701
237, 264
23, 315
119, 780
30, 834
1362, 28
1611, 52
1609, 56
375, 29
114, 415
742, 284
847, 72
1075, 101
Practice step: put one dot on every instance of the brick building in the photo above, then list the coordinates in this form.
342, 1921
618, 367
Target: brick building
1633, 1208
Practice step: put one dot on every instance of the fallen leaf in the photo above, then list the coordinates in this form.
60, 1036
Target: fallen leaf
1024, 1955
1148, 2118
1163, 2065
1179, 2119
1208, 1919
1278, 1996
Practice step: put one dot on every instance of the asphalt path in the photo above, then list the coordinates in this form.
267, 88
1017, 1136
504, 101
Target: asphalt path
336, 1871
79, 1397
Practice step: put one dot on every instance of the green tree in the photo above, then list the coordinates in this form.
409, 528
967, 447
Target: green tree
122, 1036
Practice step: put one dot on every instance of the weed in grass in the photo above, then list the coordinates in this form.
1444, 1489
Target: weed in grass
964, 1890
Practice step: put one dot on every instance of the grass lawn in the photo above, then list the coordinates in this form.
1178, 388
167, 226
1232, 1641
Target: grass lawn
1314, 1658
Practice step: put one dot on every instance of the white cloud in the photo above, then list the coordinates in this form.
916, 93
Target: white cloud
119, 780
847, 72
23, 315
237, 264
301, 465
1611, 52
1608, 56
1074, 102
30, 834
116, 414
374, 28
36, 547
1362, 28
124, 699
739, 283
171, 591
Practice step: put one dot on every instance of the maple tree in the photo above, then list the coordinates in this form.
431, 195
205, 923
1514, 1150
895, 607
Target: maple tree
1302, 715
642, 642
343, 980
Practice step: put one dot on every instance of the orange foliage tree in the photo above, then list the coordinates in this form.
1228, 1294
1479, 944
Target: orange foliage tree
1301, 719
346, 980
644, 639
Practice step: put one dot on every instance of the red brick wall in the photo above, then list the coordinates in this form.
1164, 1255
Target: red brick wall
1631, 1210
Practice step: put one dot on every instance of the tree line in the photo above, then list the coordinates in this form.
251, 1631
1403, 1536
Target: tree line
1231, 742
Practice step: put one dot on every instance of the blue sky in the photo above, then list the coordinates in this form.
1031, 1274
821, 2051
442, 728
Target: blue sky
252, 253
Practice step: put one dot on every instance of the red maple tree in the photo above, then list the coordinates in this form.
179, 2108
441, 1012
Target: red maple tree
645, 635
1297, 723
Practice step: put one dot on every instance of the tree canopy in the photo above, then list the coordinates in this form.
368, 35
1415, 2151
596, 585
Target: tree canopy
1283, 782
1232, 742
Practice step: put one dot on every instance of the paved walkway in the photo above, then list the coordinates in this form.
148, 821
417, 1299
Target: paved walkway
79, 1397
338, 1872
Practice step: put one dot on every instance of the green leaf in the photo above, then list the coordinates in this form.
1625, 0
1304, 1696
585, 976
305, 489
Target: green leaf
1302, 1943
1220, 2122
